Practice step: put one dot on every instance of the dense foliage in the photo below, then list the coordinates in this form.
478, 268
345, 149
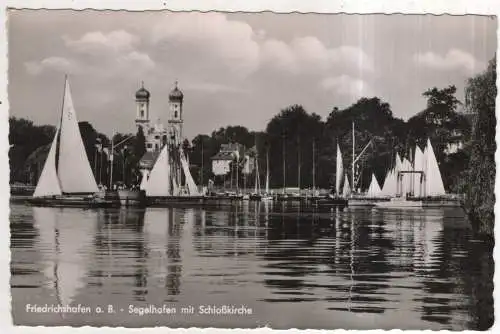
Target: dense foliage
480, 187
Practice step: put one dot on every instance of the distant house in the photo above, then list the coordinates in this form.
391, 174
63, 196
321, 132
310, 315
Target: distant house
221, 162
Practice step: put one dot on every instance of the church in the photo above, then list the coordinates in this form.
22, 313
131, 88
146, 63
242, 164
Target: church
156, 134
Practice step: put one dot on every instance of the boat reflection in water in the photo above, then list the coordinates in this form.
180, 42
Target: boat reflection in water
294, 266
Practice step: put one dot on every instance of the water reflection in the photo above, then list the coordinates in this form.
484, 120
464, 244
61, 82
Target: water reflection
418, 269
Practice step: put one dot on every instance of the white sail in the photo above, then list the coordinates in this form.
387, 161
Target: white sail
339, 172
374, 189
418, 166
75, 173
434, 183
390, 184
48, 183
144, 181
346, 191
191, 185
158, 183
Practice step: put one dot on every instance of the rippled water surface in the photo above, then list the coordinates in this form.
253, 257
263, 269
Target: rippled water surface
292, 266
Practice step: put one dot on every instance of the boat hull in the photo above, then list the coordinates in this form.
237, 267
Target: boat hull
421, 202
366, 202
159, 201
70, 201
332, 202
132, 198
399, 204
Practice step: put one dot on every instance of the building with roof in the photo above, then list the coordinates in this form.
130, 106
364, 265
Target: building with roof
156, 134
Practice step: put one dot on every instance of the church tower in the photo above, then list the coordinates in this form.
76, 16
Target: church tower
142, 113
175, 121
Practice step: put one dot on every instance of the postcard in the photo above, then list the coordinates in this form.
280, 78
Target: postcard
249, 169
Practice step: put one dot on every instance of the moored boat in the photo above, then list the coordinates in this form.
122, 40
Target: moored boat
131, 197
66, 178
163, 184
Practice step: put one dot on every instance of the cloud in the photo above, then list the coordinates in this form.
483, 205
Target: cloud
244, 51
212, 34
97, 41
212, 87
137, 59
59, 64
306, 54
346, 85
453, 60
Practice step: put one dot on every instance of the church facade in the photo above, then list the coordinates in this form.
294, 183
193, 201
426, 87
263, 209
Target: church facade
156, 134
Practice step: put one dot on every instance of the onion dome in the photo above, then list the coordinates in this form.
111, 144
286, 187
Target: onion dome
176, 94
142, 93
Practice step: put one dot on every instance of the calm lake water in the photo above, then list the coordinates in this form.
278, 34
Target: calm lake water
292, 266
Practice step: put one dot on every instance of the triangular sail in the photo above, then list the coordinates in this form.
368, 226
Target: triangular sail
390, 184
158, 183
374, 189
75, 173
48, 183
434, 183
191, 185
339, 172
346, 191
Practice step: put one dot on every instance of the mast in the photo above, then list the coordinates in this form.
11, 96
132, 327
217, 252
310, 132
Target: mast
353, 157
111, 162
298, 164
314, 165
267, 171
284, 166
201, 176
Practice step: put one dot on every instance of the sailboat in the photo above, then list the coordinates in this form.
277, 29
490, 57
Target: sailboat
67, 178
337, 199
422, 189
163, 182
256, 195
266, 196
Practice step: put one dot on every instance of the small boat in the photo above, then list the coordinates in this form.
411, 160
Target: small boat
372, 196
132, 197
255, 197
67, 178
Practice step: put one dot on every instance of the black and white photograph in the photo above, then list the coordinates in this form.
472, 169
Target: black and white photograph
251, 169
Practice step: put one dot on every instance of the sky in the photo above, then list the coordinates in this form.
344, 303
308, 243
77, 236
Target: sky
234, 68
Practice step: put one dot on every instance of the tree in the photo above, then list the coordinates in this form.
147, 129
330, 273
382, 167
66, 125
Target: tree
289, 136
480, 195
373, 123
25, 138
440, 122
139, 147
